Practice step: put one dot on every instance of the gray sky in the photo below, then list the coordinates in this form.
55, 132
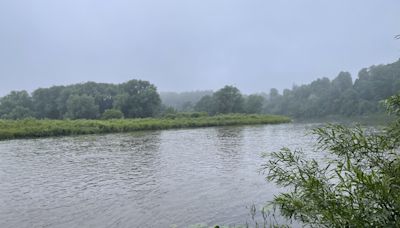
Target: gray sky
192, 44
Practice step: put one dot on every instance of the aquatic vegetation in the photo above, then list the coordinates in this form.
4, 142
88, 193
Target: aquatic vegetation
34, 128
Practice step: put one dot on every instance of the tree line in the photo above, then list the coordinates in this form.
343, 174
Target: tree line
132, 99
230, 100
184, 101
137, 99
320, 98
340, 96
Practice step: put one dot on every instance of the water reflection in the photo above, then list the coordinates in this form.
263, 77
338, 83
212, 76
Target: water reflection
229, 143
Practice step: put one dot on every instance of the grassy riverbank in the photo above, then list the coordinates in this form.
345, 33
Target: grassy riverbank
32, 128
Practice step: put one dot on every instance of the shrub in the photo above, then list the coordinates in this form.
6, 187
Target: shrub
112, 114
358, 187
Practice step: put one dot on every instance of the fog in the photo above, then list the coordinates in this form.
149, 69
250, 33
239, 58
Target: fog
192, 45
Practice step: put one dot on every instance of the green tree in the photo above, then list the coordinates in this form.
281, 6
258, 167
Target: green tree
167, 111
205, 104
254, 104
45, 102
82, 107
342, 82
357, 187
138, 99
228, 100
341, 94
181, 101
273, 93
187, 107
102, 93
16, 105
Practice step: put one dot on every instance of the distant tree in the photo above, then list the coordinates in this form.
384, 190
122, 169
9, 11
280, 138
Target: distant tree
342, 82
134, 98
112, 114
254, 104
273, 93
340, 96
228, 100
378, 82
181, 101
16, 105
167, 110
349, 103
340, 86
205, 104
19, 112
138, 99
45, 102
187, 107
82, 107
103, 93
62, 99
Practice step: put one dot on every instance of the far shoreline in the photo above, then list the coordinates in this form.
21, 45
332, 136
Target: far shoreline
35, 128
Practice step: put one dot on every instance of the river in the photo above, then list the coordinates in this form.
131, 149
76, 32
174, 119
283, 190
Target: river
142, 179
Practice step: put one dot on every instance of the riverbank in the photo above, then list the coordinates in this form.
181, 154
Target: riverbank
371, 119
33, 128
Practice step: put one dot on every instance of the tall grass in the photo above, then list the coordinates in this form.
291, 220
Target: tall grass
33, 128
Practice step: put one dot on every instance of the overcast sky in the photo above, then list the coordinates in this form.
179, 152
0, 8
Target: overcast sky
192, 44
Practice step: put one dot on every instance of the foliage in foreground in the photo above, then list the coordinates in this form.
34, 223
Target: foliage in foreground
32, 128
359, 186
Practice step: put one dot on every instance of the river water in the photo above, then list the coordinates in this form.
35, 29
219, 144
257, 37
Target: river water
141, 179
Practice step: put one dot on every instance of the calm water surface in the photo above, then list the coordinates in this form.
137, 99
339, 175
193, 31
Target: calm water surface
143, 179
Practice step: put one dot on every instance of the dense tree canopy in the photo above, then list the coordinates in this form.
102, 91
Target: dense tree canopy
254, 104
230, 100
16, 105
206, 104
185, 101
320, 98
89, 100
340, 96
136, 98
82, 107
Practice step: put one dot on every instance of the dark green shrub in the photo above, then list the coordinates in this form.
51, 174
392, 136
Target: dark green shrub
112, 114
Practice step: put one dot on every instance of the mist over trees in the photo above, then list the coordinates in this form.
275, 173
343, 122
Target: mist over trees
137, 99
89, 100
230, 100
183, 102
340, 96
322, 97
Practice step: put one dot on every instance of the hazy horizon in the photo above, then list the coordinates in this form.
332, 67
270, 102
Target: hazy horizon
187, 46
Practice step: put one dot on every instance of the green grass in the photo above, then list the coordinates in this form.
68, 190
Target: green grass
33, 128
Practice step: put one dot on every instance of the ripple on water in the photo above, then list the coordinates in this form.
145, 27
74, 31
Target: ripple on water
143, 179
